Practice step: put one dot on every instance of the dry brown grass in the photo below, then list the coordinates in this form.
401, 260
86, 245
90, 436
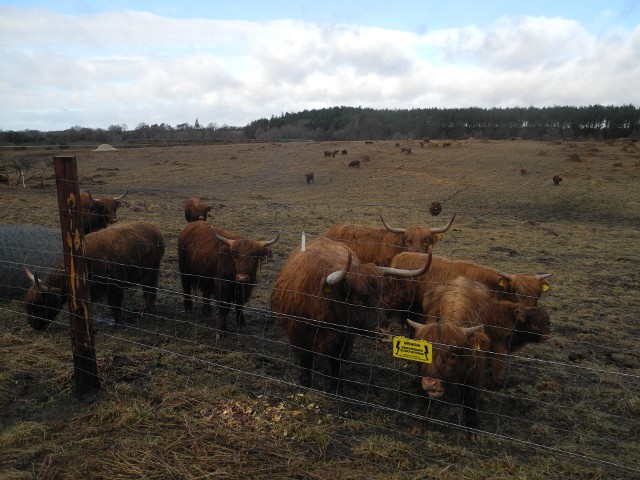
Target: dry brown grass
177, 404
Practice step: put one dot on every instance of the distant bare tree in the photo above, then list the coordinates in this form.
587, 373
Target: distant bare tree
21, 166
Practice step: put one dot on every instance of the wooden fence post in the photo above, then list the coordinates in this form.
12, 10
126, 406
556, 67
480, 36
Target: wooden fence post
85, 366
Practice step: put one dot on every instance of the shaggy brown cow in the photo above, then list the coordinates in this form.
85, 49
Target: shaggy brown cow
435, 208
406, 150
457, 366
556, 180
354, 163
117, 258
219, 263
524, 289
380, 245
523, 171
446, 144
334, 152
195, 209
327, 153
309, 177
344, 152
323, 296
509, 326
97, 213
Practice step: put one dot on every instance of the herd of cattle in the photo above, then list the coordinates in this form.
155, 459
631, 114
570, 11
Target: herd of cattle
352, 280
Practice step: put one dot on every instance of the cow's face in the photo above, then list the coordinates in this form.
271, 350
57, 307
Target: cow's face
246, 256
363, 295
419, 239
43, 301
105, 208
534, 323
525, 289
452, 355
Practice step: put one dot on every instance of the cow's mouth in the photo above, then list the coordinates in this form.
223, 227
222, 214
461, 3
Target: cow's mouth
544, 337
435, 393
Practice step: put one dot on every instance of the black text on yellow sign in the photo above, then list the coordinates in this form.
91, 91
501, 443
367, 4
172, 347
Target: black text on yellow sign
416, 350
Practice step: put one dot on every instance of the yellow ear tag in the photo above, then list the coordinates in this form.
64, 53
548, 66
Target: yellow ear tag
438, 236
328, 289
477, 346
502, 283
545, 287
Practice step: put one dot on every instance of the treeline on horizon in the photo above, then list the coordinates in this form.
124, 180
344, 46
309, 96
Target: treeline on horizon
595, 122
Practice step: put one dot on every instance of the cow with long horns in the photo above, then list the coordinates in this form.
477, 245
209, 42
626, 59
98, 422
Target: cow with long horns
196, 209
117, 258
509, 325
325, 295
523, 289
380, 245
222, 264
98, 213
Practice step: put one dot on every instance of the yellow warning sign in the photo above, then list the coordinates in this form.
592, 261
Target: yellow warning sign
416, 350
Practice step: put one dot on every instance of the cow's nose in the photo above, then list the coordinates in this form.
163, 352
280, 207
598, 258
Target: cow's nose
240, 277
429, 383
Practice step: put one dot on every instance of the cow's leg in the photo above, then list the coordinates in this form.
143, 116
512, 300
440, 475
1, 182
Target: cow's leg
498, 364
423, 410
186, 292
239, 316
306, 364
336, 385
115, 295
206, 301
223, 312
149, 294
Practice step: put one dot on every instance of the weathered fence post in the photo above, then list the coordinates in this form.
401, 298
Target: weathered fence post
84, 356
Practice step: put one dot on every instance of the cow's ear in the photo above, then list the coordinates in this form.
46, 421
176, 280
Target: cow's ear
520, 314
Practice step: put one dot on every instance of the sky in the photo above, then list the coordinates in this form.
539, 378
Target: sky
95, 64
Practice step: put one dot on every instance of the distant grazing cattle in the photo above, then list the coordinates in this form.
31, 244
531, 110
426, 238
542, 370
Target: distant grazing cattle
334, 152
509, 325
327, 153
406, 150
344, 152
195, 210
523, 171
397, 145
118, 258
309, 177
97, 213
354, 163
323, 296
435, 208
221, 264
446, 144
379, 245
457, 365
421, 144
556, 180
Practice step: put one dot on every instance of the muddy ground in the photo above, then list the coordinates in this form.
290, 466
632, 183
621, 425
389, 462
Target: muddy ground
176, 403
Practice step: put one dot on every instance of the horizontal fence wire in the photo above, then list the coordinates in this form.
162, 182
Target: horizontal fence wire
582, 408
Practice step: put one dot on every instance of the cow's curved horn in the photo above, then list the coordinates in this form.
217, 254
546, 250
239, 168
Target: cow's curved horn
222, 239
544, 275
471, 330
272, 241
91, 198
34, 279
390, 228
339, 275
121, 196
415, 325
401, 272
445, 228
506, 276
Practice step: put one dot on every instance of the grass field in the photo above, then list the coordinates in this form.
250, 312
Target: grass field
176, 403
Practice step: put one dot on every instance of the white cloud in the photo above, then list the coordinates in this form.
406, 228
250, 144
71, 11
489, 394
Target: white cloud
57, 71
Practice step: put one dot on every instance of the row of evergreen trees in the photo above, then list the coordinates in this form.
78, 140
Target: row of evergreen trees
357, 123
